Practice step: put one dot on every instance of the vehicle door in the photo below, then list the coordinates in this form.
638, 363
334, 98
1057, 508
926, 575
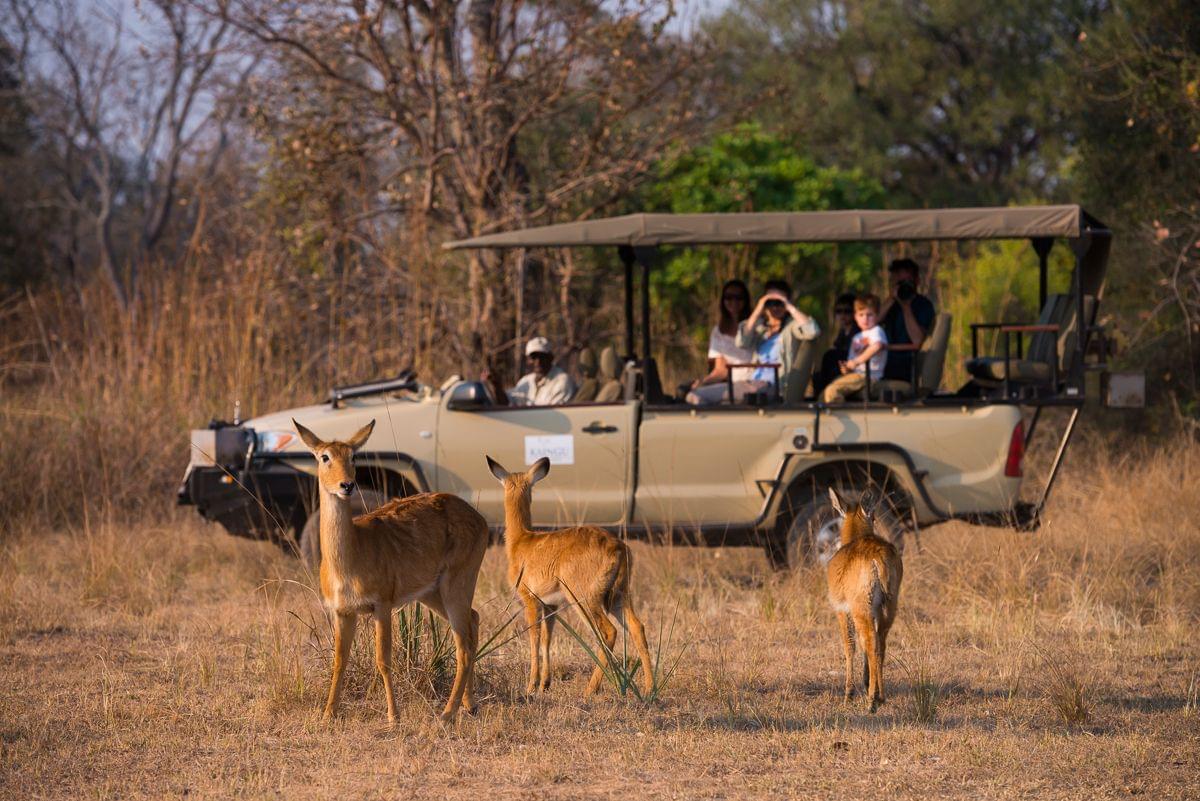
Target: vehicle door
711, 467
589, 445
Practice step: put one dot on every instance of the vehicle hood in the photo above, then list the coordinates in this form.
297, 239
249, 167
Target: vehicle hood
398, 422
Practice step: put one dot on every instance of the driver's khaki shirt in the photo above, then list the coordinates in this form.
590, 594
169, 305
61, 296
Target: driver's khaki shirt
554, 389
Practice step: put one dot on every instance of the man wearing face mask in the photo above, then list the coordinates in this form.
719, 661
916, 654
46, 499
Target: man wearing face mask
546, 384
906, 318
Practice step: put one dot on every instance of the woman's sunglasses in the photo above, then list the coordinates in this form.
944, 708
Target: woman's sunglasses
738, 298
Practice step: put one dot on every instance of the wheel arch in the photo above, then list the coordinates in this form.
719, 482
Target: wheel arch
861, 473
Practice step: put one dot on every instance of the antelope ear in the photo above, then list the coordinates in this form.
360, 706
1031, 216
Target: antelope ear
310, 439
539, 470
837, 503
361, 436
497, 469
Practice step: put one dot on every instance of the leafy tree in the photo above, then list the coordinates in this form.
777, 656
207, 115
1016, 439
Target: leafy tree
1139, 168
947, 102
751, 170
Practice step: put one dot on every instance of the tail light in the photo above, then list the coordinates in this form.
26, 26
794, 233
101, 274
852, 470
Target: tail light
1016, 451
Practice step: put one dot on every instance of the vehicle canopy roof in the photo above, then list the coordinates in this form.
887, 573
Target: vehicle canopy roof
637, 236
647, 230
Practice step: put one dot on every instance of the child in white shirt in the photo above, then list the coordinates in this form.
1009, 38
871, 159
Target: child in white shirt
868, 352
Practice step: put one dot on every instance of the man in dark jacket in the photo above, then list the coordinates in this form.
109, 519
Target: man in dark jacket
907, 318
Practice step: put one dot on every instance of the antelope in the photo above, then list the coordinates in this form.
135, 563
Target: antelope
584, 565
864, 586
424, 548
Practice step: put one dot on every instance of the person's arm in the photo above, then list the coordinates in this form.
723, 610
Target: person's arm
915, 332
803, 326
865, 356
523, 393
559, 391
718, 373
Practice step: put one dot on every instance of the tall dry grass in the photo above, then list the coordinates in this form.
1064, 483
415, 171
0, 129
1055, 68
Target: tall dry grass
97, 403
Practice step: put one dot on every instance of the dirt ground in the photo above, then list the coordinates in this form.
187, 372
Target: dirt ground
168, 659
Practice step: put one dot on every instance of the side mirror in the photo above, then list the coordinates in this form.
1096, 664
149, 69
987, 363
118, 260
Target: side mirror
469, 396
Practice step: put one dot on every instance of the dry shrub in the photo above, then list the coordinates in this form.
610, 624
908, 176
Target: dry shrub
1067, 685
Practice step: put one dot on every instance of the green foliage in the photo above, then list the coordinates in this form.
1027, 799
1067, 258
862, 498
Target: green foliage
751, 170
947, 102
1138, 168
992, 282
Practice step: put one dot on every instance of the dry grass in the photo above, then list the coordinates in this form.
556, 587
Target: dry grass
168, 659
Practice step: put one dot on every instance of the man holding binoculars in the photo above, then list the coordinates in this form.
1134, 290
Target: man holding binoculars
906, 318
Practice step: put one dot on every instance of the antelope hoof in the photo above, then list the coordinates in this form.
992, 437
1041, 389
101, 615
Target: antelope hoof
531, 688
849, 694
447, 716
871, 707
545, 685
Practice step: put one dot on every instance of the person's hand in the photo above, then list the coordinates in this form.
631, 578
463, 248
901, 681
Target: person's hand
844, 367
695, 383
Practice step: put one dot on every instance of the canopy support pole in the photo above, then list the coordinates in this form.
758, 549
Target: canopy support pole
645, 256
1041, 246
625, 252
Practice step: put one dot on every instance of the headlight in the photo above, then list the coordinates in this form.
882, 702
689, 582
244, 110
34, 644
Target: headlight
274, 440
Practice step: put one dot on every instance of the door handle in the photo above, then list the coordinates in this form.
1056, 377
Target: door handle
598, 428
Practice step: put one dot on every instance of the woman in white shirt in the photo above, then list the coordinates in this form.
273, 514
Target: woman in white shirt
723, 350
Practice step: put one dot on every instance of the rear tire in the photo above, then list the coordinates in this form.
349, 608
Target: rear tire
364, 501
809, 534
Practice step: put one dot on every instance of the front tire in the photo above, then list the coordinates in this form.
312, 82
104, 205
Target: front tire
309, 546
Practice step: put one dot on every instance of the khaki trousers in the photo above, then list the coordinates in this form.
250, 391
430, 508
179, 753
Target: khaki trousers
843, 387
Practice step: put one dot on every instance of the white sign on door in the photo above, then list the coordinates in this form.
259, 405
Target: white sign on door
560, 449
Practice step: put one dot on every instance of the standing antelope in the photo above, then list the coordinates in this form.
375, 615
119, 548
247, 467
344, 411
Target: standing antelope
864, 585
584, 565
425, 548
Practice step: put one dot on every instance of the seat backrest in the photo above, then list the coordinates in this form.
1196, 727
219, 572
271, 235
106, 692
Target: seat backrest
608, 376
588, 385
931, 359
1043, 346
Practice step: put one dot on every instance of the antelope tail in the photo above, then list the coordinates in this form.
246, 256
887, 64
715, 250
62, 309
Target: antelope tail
881, 581
618, 590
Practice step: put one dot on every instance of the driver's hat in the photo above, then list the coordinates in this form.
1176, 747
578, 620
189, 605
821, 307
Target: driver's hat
538, 345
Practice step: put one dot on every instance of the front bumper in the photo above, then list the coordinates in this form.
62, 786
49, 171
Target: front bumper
270, 499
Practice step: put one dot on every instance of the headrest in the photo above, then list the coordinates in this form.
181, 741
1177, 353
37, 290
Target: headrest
587, 363
610, 365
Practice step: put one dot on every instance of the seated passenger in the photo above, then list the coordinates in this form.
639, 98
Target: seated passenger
775, 331
723, 351
868, 352
545, 385
845, 328
906, 318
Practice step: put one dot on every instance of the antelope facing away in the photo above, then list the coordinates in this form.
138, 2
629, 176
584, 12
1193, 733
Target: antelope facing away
425, 548
864, 587
584, 564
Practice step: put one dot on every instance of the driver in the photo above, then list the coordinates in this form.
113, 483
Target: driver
545, 385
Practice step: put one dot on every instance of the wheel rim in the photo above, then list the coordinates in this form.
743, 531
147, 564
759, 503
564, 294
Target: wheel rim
825, 539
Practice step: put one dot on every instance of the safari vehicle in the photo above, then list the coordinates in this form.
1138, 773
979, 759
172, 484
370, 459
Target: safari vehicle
648, 465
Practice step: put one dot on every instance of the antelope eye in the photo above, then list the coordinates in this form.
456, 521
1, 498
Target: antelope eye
325, 458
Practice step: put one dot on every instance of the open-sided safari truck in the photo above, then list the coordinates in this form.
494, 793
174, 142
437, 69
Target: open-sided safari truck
648, 465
